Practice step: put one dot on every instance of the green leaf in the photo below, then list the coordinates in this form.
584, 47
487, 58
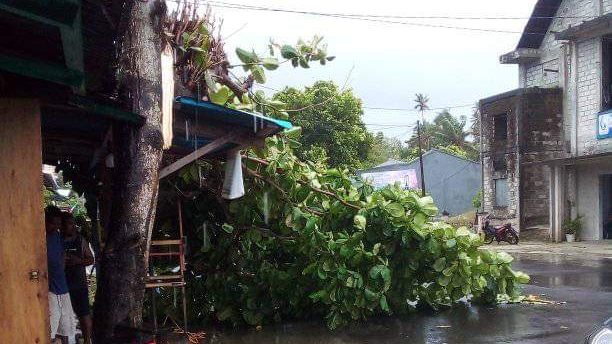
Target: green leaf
359, 221
444, 280
303, 62
504, 258
227, 228
420, 219
270, 63
395, 209
289, 52
246, 57
370, 295
439, 264
319, 295
221, 96
383, 304
521, 277
258, 74
451, 243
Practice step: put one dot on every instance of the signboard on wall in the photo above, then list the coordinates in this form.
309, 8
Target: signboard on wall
406, 178
604, 125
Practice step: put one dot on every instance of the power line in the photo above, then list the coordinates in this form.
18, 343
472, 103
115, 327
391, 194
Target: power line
390, 16
352, 17
415, 110
390, 109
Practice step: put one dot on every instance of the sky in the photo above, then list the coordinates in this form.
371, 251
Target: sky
386, 64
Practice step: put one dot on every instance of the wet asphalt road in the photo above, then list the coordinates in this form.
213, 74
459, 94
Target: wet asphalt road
585, 284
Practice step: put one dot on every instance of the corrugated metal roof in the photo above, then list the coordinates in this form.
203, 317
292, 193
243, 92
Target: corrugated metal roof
538, 24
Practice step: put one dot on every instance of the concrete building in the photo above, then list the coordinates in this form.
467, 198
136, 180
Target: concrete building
558, 152
452, 181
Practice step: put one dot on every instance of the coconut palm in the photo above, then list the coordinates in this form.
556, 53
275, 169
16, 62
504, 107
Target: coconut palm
421, 101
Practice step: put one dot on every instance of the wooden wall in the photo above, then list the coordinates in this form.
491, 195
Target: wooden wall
24, 315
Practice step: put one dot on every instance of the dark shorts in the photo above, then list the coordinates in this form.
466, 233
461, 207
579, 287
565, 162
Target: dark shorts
80, 301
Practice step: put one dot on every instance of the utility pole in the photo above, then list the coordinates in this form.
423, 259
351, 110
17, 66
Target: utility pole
421, 105
421, 159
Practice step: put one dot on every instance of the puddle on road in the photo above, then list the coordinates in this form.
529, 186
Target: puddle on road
557, 271
460, 325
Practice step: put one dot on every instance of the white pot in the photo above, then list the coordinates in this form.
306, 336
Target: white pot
570, 237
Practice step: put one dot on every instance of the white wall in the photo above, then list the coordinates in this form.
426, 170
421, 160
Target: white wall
579, 65
588, 202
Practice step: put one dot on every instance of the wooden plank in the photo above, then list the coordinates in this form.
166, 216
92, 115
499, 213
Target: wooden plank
41, 70
170, 284
24, 306
182, 162
164, 277
164, 254
166, 242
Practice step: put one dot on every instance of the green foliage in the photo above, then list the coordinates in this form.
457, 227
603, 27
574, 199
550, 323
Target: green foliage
477, 201
383, 149
331, 121
573, 226
306, 242
448, 134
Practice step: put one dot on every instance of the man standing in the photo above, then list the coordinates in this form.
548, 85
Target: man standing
60, 307
78, 256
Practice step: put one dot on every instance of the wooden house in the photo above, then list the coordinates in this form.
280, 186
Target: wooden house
57, 107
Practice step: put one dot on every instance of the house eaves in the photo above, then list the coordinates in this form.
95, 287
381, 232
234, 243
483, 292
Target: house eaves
588, 29
538, 24
533, 35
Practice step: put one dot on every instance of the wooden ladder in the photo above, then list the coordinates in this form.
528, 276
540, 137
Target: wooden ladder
168, 248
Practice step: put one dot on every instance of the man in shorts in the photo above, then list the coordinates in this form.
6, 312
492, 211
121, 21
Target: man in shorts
78, 256
60, 307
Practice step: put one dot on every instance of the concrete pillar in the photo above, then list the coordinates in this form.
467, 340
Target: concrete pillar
557, 202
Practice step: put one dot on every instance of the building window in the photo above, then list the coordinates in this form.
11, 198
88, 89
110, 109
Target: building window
606, 73
501, 192
500, 124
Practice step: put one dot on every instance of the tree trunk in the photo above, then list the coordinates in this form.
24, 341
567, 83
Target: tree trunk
120, 292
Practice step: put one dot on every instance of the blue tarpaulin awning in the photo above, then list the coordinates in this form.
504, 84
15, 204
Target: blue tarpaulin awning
222, 114
204, 129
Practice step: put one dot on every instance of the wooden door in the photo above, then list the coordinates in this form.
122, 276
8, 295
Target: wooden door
24, 314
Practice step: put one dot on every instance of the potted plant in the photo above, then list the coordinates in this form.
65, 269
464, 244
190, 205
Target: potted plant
572, 228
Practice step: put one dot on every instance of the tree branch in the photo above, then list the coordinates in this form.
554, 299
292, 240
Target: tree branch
282, 192
324, 192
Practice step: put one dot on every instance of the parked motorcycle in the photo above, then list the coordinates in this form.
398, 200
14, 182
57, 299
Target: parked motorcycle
500, 233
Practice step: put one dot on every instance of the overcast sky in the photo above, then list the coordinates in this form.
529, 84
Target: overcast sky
391, 62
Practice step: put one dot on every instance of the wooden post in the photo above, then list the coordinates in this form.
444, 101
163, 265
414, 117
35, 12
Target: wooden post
24, 304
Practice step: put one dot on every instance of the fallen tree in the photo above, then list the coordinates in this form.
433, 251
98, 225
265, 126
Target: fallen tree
311, 243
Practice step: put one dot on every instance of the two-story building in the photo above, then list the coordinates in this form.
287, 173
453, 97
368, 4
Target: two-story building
547, 147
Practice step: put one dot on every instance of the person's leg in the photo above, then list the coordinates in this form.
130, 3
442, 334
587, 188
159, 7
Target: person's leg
86, 328
80, 305
66, 323
54, 315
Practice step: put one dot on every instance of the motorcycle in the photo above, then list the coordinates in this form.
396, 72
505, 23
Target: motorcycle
500, 233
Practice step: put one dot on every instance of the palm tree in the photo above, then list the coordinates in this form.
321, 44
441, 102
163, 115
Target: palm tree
421, 104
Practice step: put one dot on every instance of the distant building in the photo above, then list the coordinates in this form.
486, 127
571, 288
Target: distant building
547, 147
452, 181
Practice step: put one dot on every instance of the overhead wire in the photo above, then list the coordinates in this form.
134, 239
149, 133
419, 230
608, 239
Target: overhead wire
375, 18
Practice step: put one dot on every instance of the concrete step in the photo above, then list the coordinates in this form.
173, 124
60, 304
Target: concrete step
538, 233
